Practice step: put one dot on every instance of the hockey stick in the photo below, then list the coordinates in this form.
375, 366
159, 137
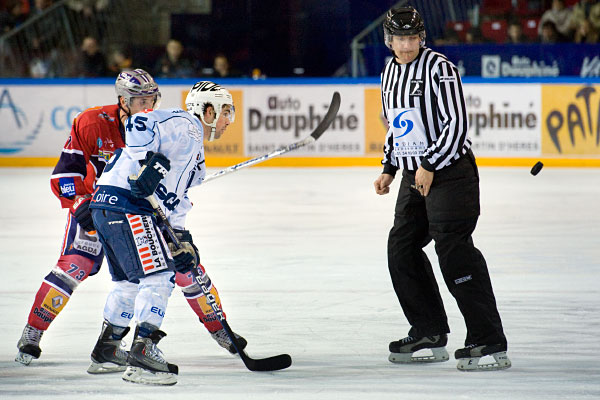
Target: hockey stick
319, 130
262, 364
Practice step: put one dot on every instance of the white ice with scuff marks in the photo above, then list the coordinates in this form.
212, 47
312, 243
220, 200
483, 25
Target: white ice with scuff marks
298, 256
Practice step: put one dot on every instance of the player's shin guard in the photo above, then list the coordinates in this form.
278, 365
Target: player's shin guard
152, 298
57, 288
198, 302
120, 303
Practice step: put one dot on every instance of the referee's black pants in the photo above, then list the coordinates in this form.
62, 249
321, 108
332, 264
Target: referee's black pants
448, 215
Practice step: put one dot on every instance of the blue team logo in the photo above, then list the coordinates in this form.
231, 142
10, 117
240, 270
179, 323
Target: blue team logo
405, 124
99, 142
17, 131
67, 186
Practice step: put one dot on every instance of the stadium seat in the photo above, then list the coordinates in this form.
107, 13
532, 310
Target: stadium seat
527, 8
460, 27
530, 27
495, 7
494, 30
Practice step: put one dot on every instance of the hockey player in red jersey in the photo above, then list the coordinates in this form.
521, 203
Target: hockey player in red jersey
95, 135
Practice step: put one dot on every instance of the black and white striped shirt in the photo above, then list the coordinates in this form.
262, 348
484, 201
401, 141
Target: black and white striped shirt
424, 105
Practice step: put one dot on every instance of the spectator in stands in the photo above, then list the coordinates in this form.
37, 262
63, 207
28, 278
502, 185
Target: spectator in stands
13, 14
585, 10
174, 64
474, 36
93, 62
45, 62
87, 8
450, 37
39, 6
560, 16
222, 67
88, 12
515, 33
119, 60
550, 34
586, 33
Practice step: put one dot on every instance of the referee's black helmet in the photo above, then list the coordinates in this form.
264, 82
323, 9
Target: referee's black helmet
401, 22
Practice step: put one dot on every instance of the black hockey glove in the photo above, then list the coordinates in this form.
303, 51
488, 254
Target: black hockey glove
187, 256
154, 168
81, 211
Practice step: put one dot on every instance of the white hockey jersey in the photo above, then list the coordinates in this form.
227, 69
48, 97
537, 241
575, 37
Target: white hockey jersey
177, 135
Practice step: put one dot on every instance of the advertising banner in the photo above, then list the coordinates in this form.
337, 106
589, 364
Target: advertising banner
283, 114
501, 123
490, 60
571, 120
504, 119
375, 125
509, 123
36, 120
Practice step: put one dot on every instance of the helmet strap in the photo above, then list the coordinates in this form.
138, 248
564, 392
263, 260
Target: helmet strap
125, 110
213, 129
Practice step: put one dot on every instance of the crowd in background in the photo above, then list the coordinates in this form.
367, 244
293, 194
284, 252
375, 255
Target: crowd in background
520, 21
495, 21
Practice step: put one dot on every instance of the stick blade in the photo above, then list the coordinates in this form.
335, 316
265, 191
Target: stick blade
329, 116
274, 363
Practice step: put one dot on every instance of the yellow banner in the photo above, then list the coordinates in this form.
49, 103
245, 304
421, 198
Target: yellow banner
231, 144
570, 120
375, 124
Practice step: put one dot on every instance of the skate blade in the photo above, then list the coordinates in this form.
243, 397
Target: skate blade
472, 364
24, 358
145, 377
439, 354
105, 368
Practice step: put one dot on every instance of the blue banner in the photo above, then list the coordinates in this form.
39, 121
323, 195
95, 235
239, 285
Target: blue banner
509, 61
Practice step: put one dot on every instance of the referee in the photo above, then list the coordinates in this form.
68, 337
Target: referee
438, 199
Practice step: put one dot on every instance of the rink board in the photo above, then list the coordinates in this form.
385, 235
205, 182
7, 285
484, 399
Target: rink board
512, 122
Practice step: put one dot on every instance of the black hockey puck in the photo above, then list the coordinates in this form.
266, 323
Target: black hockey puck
537, 168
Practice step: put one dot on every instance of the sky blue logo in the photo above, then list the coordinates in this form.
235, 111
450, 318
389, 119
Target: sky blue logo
18, 130
400, 123
99, 142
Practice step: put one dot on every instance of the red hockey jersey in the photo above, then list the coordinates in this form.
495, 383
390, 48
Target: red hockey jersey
95, 135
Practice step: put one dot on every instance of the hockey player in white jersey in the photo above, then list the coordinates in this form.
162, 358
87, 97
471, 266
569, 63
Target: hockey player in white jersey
163, 157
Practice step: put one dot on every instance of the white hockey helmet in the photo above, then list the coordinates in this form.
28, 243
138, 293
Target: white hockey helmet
137, 83
204, 94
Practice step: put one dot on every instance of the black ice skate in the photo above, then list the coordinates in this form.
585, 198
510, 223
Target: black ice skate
468, 357
146, 364
224, 341
108, 355
29, 345
402, 350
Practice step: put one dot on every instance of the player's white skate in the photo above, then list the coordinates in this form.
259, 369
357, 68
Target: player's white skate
146, 364
108, 355
29, 345
470, 356
223, 340
402, 351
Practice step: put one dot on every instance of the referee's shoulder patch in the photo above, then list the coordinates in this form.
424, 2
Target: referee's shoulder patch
447, 72
450, 78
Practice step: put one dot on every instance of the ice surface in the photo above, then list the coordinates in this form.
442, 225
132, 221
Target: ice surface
298, 256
